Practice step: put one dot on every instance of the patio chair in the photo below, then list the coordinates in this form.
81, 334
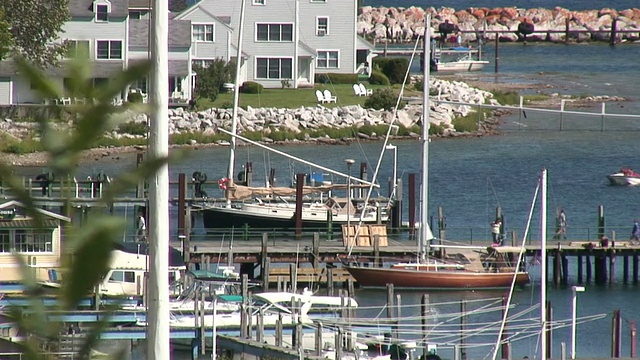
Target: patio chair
328, 97
65, 101
356, 89
365, 91
320, 97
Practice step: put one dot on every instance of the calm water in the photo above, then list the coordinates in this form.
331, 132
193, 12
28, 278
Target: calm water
470, 177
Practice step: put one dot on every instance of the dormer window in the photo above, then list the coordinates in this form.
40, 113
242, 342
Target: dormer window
101, 8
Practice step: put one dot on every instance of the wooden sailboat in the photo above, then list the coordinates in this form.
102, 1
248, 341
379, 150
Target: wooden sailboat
464, 267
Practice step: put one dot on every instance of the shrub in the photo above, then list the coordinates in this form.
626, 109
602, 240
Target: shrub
210, 79
383, 99
394, 68
251, 87
336, 78
133, 128
467, 123
506, 97
23, 147
134, 97
378, 78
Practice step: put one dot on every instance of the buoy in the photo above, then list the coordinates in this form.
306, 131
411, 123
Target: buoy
526, 28
223, 183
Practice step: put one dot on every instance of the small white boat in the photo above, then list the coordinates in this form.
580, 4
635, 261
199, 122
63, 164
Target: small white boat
457, 59
624, 177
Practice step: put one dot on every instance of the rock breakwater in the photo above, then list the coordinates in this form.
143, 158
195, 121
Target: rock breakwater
553, 25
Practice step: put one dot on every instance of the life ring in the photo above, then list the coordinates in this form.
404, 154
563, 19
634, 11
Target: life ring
223, 183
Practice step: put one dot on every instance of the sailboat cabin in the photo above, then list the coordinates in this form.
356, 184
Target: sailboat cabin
37, 242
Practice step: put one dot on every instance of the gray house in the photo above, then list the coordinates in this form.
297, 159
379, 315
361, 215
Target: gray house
283, 40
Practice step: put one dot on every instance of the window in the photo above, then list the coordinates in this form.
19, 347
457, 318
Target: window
102, 12
273, 68
33, 241
78, 49
322, 26
202, 32
327, 59
259, 2
109, 49
274, 32
141, 84
100, 82
202, 63
5, 241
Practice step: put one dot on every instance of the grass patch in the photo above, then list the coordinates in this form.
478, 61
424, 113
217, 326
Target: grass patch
467, 123
506, 97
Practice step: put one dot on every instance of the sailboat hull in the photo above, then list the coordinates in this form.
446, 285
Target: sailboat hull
431, 279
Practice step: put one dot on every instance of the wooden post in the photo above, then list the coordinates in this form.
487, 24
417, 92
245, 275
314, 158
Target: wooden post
548, 329
425, 328
634, 260
616, 332
412, 204
442, 224
260, 326
614, 31
565, 269
588, 267
339, 343
279, 331
376, 250
600, 221
264, 254
625, 269
330, 281
612, 265
245, 305
566, 30
633, 335
182, 194
140, 188
265, 275
389, 301
350, 286
203, 347
318, 343
579, 260
316, 250
230, 256
298, 212
556, 268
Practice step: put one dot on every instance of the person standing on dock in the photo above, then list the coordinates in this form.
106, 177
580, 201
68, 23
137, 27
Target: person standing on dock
142, 228
561, 232
635, 232
496, 226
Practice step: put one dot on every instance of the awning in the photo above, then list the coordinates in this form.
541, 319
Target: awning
28, 224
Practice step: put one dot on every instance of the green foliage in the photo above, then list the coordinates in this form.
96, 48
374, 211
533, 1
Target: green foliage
133, 128
251, 87
6, 38
199, 137
404, 131
383, 99
394, 68
86, 248
436, 129
22, 147
34, 25
334, 78
506, 97
378, 78
135, 97
210, 79
467, 123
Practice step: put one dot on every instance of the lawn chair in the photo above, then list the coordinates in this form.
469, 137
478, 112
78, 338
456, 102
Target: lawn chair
328, 97
365, 91
356, 89
320, 97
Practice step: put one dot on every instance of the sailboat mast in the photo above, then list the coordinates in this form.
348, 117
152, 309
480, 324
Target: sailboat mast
424, 194
236, 96
543, 264
158, 290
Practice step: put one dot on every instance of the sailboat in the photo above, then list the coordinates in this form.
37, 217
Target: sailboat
457, 267
275, 207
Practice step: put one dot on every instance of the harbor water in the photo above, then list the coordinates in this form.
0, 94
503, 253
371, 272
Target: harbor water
470, 177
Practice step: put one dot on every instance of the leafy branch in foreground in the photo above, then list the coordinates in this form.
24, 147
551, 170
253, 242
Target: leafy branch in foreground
87, 247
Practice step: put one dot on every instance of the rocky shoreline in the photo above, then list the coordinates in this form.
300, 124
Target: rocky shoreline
264, 119
391, 24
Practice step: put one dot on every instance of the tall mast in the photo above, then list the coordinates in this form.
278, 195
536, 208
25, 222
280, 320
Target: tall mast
543, 264
158, 290
236, 96
424, 193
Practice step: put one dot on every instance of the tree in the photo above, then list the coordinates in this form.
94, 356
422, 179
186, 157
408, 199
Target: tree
209, 79
6, 39
34, 26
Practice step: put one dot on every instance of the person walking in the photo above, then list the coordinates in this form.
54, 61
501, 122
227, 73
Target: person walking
142, 228
496, 227
561, 232
635, 232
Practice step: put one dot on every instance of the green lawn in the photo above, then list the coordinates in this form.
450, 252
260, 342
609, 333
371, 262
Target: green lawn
291, 98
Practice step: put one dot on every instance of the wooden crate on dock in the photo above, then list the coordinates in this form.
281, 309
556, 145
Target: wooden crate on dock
366, 236
349, 234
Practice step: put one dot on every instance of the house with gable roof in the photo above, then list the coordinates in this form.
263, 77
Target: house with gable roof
283, 41
38, 243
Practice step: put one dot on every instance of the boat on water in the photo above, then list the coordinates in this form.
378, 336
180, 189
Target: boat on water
465, 267
457, 59
624, 177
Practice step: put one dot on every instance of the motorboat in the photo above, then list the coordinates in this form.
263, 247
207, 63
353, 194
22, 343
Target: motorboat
624, 177
457, 59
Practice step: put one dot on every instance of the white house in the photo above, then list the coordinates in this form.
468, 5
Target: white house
38, 243
283, 40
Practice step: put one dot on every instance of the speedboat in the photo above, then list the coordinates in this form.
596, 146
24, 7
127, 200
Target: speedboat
624, 177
